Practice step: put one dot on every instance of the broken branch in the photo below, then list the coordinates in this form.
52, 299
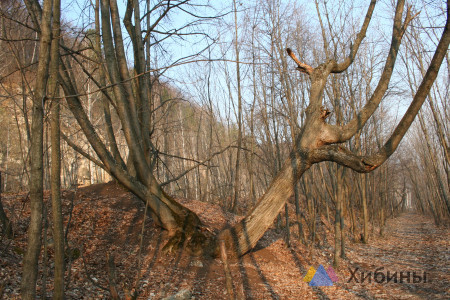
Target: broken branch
304, 68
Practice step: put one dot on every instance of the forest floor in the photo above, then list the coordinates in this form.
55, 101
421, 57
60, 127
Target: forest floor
106, 221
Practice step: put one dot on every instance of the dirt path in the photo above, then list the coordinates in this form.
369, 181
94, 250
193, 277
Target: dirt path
412, 244
413, 247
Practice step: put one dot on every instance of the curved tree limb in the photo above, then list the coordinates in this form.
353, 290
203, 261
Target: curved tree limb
391, 145
341, 67
341, 155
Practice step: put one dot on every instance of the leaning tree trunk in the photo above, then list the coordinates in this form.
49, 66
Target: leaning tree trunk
319, 141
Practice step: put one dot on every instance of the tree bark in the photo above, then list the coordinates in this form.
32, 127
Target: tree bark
365, 210
245, 234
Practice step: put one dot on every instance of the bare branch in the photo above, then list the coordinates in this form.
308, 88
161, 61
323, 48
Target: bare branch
342, 156
304, 68
421, 94
82, 152
365, 164
196, 166
344, 133
164, 13
341, 67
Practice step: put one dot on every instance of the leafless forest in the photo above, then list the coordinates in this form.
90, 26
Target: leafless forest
290, 116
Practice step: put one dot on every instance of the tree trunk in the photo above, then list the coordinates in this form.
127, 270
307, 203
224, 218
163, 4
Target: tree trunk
342, 221
6, 224
237, 184
287, 228
58, 227
301, 232
30, 261
364, 207
244, 235
337, 222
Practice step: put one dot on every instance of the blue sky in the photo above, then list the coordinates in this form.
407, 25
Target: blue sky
80, 15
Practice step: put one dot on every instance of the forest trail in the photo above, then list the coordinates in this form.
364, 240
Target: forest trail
413, 243
108, 220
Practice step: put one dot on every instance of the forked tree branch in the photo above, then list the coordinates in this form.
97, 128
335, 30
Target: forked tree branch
365, 164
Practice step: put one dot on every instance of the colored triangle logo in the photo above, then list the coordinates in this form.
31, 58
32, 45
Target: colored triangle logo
309, 275
320, 278
332, 274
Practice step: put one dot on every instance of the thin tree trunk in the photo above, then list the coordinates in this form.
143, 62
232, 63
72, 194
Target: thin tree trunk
239, 138
343, 193
337, 219
6, 224
338, 195
301, 232
31, 258
58, 231
364, 208
58, 227
288, 229
434, 165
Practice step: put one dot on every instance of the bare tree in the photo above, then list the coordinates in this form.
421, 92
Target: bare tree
319, 141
